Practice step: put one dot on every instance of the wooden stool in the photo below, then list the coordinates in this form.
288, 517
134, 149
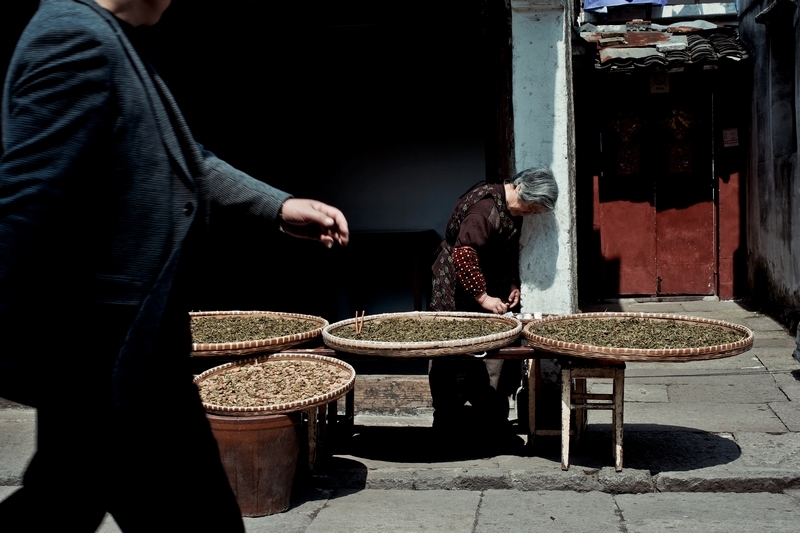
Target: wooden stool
575, 397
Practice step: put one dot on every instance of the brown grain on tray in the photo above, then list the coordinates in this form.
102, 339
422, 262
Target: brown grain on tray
272, 383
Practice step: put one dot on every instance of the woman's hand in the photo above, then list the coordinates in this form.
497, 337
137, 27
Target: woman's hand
513, 297
310, 219
491, 304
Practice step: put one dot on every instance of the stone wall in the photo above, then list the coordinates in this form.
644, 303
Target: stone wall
770, 30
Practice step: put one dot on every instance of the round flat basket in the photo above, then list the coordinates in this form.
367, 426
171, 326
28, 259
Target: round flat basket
613, 354
423, 348
257, 346
324, 363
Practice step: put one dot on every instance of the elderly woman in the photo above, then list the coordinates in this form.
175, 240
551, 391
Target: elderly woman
477, 269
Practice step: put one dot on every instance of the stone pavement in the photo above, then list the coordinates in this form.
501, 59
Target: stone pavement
692, 432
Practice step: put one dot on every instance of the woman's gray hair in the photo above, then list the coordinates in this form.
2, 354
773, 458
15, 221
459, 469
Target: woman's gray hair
538, 186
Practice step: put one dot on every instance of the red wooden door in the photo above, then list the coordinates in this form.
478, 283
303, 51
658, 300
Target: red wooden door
654, 203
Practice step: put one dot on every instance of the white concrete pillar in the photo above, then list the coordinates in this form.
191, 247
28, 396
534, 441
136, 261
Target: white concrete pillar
544, 136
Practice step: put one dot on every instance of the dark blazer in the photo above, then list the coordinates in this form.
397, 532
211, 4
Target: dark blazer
100, 183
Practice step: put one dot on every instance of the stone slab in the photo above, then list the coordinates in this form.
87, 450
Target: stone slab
714, 418
775, 335
757, 387
744, 361
708, 513
789, 414
727, 479
567, 512
785, 341
716, 307
306, 504
789, 383
794, 493
777, 359
762, 324
769, 450
397, 510
632, 306
108, 525
17, 443
654, 449
7, 490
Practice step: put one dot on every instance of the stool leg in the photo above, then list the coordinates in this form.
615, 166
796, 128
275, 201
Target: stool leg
580, 414
533, 373
311, 414
566, 404
333, 422
349, 413
619, 387
322, 437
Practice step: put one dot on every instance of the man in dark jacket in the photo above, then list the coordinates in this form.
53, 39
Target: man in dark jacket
105, 198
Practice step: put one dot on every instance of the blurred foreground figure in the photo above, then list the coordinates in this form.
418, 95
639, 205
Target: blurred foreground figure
105, 199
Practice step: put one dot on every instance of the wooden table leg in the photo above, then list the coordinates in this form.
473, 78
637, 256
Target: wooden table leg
349, 412
566, 408
311, 415
322, 436
333, 422
533, 372
580, 414
617, 415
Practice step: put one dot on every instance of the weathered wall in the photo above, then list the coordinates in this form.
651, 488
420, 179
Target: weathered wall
543, 133
773, 180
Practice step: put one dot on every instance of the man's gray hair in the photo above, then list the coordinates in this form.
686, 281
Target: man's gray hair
537, 185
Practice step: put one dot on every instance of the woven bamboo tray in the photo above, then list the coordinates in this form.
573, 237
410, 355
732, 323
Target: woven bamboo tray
427, 348
300, 405
260, 346
675, 355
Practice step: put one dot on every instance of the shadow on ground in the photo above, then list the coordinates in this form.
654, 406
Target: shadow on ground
657, 448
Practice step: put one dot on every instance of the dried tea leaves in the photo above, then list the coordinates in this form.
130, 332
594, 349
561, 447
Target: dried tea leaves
637, 333
241, 328
272, 383
422, 330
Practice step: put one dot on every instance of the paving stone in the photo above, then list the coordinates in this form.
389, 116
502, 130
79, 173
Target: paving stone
710, 383
568, 512
305, 505
727, 479
629, 480
17, 443
789, 413
785, 341
777, 359
713, 418
655, 449
745, 361
789, 383
397, 510
769, 450
708, 513
716, 307
756, 387
762, 324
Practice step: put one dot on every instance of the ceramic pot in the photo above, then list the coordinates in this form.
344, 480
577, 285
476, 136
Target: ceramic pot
259, 454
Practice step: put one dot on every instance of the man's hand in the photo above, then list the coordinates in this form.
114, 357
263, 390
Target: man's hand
310, 219
491, 304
